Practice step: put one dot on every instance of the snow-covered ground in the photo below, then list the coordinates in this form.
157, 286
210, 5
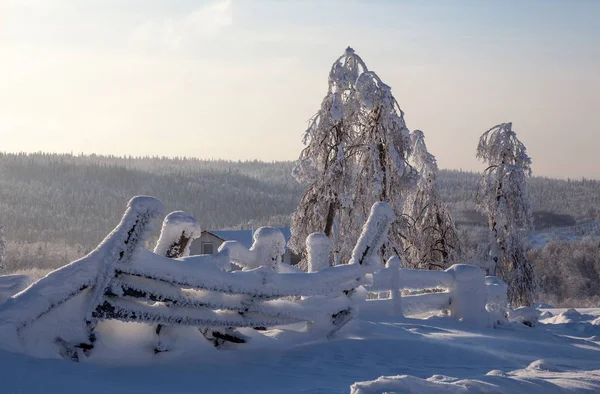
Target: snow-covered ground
561, 354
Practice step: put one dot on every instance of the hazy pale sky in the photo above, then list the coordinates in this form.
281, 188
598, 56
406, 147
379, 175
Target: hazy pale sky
240, 79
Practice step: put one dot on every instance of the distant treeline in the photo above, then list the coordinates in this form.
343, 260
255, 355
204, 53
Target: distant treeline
56, 208
79, 199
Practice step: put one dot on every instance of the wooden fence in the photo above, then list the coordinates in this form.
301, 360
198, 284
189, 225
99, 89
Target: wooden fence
123, 280
462, 290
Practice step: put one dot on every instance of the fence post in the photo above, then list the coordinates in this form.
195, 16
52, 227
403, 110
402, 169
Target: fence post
393, 265
178, 231
468, 295
496, 302
318, 250
366, 253
269, 246
130, 234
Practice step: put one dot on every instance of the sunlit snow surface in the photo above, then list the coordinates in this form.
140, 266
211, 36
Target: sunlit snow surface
561, 354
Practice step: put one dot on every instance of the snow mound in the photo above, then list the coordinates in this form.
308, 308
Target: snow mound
543, 365
403, 384
571, 316
525, 315
497, 382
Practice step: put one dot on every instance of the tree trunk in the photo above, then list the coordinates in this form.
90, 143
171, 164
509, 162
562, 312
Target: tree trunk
330, 217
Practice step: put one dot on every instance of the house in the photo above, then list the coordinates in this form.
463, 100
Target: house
210, 240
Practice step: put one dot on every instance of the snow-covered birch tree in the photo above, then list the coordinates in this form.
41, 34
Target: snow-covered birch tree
502, 195
356, 155
430, 237
382, 150
324, 163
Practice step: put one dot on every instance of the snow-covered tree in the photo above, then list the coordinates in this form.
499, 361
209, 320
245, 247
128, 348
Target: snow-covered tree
383, 146
430, 238
324, 163
502, 195
356, 155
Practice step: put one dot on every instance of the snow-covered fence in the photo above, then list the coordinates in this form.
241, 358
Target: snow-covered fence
462, 289
122, 280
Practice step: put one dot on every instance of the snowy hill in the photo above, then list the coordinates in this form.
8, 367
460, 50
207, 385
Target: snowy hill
590, 230
561, 355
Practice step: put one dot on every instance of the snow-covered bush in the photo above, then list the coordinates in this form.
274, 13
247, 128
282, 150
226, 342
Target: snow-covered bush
430, 238
356, 155
502, 195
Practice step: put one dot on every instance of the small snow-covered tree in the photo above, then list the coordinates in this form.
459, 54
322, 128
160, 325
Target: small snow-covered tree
430, 238
356, 155
502, 195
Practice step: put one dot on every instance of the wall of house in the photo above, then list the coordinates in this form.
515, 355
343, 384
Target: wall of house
205, 238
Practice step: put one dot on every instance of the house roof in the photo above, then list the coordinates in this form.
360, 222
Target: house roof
245, 236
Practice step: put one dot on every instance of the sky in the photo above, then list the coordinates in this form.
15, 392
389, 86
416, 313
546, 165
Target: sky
240, 79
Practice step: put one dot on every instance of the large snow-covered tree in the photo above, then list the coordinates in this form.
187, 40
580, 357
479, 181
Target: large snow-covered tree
356, 155
324, 163
430, 238
502, 195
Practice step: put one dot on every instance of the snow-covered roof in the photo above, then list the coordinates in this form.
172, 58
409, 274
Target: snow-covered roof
245, 236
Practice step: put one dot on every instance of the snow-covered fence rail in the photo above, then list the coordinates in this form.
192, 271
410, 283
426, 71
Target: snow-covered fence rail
462, 289
121, 280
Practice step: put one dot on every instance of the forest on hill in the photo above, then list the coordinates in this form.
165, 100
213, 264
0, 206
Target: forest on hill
57, 207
